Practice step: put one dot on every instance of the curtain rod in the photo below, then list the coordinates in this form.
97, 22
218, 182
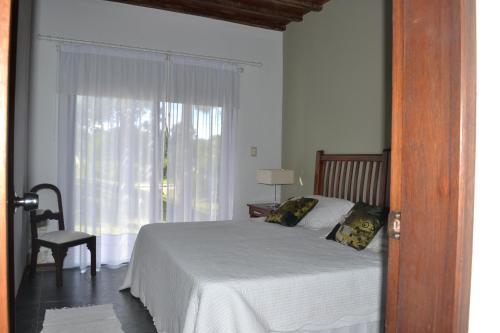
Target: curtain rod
80, 41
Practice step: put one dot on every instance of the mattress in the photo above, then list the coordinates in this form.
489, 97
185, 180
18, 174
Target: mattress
252, 276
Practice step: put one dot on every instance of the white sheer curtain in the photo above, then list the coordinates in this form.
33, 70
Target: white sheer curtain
142, 139
201, 114
111, 137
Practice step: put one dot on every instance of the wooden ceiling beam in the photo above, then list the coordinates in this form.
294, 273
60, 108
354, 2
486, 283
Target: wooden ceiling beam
269, 14
303, 6
260, 7
214, 10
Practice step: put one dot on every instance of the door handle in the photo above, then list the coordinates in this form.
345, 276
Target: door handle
29, 201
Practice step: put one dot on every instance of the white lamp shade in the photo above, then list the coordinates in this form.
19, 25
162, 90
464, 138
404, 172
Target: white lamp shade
275, 176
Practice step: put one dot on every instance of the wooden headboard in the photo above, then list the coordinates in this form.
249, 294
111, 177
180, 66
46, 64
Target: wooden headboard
353, 177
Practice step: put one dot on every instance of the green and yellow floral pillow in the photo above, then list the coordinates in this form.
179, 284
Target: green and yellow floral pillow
292, 211
360, 226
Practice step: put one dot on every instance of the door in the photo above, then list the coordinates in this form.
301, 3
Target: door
5, 291
432, 174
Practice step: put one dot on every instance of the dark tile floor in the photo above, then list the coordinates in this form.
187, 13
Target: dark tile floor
40, 293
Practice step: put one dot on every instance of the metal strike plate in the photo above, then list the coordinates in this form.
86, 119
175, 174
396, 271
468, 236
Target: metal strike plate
394, 225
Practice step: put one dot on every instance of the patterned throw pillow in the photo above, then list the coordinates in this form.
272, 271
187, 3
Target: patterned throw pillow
360, 226
292, 211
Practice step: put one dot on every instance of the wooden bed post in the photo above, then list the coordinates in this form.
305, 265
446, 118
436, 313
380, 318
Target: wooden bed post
385, 171
318, 172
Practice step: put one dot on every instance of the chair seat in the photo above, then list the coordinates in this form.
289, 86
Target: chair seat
63, 236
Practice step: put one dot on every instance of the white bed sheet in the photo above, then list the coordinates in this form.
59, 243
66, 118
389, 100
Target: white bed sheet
252, 277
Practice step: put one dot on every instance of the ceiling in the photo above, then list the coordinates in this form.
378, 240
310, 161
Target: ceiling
268, 14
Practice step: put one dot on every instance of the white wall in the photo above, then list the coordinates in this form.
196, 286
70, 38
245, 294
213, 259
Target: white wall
21, 135
485, 290
259, 120
336, 84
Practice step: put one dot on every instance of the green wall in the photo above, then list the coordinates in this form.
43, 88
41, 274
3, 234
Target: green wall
336, 85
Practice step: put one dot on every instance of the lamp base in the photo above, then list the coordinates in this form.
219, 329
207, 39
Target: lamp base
275, 205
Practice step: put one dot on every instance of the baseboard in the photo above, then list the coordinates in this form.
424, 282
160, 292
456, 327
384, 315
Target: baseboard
48, 266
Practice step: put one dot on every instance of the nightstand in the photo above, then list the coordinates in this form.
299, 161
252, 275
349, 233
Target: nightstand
260, 209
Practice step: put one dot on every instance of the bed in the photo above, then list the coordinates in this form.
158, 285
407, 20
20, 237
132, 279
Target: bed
254, 277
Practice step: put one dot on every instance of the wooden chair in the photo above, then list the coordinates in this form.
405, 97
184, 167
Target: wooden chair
58, 241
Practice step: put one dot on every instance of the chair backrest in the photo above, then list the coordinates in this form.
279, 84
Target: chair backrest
37, 216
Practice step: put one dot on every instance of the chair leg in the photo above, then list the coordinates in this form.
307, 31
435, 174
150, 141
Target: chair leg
35, 248
59, 254
91, 245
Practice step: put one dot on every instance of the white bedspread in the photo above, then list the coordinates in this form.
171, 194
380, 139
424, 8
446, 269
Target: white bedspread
251, 277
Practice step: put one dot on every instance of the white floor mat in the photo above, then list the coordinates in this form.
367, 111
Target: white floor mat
95, 319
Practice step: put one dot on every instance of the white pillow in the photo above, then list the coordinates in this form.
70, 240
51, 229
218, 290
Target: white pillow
327, 213
379, 243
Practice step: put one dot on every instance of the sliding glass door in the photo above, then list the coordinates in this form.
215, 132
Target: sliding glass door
143, 138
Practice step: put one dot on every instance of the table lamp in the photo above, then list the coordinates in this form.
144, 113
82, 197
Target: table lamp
275, 177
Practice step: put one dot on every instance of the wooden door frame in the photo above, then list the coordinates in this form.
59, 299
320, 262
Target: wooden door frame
464, 165
6, 291
456, 22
